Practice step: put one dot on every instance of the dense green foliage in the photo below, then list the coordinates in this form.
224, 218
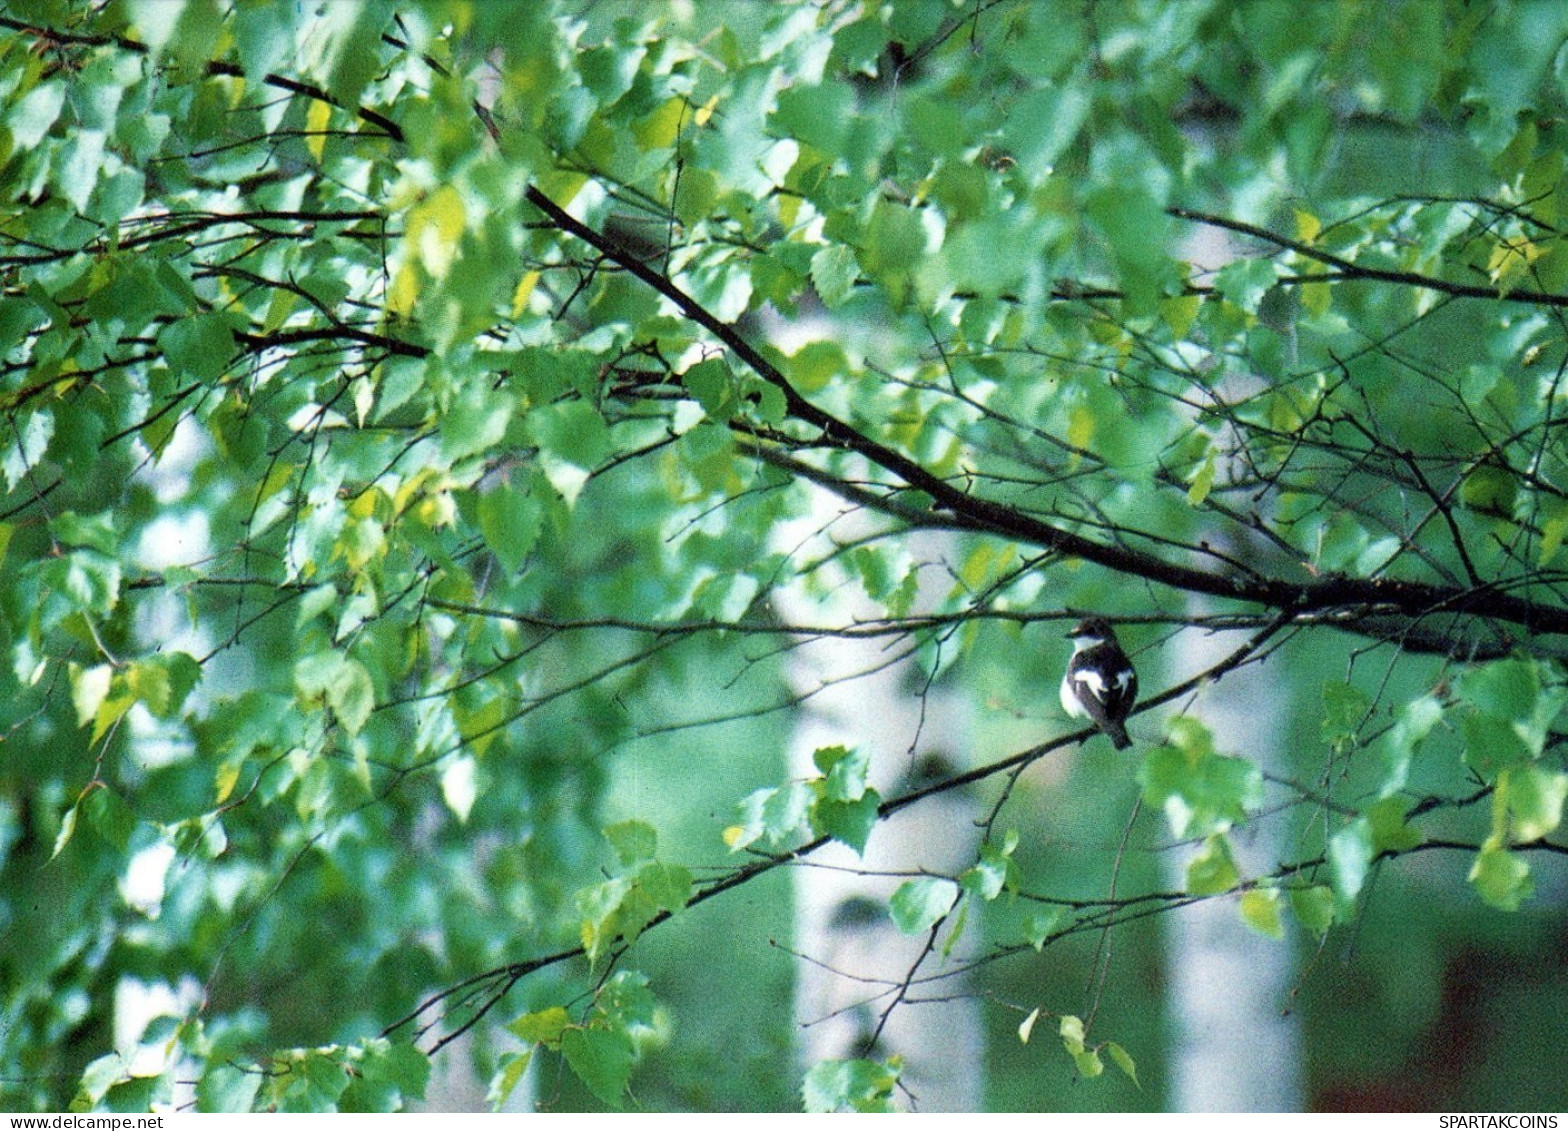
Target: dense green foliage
398, 478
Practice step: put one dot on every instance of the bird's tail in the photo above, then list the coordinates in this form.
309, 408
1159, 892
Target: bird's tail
1118, 734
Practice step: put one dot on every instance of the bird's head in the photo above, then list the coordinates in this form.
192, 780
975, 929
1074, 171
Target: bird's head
1092, 630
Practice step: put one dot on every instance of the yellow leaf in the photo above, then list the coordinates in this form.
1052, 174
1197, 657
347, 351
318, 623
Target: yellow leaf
660, 129
1307, 226
1260, 911
315, 128
1552, 531
1316, 298
1080, 426
1181, 312
226, 779
525, 289
1509, 259
977, 567
364, 504
562, 186
109, 712
434, 227
1202, 482
404, 290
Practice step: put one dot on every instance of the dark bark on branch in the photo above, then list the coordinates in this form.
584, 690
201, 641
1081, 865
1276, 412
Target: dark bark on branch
980, 515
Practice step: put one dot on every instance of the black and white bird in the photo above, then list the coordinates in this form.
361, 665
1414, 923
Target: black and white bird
1100, 684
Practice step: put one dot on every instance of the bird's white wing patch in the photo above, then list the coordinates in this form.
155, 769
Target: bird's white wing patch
1091, 679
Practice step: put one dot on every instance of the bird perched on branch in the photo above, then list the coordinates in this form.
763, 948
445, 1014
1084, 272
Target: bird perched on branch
1100, 684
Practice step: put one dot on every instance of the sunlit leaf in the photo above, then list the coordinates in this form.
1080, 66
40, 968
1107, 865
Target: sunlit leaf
920, 903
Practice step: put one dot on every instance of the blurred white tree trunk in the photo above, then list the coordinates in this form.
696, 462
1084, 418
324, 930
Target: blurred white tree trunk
854, 960
1233, 1048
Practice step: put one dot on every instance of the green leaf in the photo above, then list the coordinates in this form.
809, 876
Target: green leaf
1504, 689
776, 815
79, 167
1502, 878
1133, 224
459, 786
814, 366
712, 383
1493, 745
1044, 122
893, 247
1213, 870
33, 114
1396, 749
201, 346
96, 531
510, 1072
991, 873
1089, 1064
1345, 711
343, 683
834, 272
402, 1068
1313, 907
1123, 1060
325, 1073
1391, 832
602, 1059
1245, 281
633, 841
67, 831
163, 682
476, 422
89, 689
819, 115
669, 886
544, 1027
1070, 1029
1509, 708
110, 818
1202, 481
1350, 856
918, 904
850, 822
844, 772
1040, 923
1199, 790
851, 1085
1490, 489
572, 431
227, 1088
138, 1094
510, 521
1535, 800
